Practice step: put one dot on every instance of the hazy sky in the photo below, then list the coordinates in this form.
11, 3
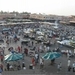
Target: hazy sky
57, 7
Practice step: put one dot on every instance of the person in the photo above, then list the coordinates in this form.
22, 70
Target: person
23, 66
8, 65
69, 64
40, 48
36, 58
33, 61
41, 63
74, 51
2, 58
19, 49
7, 42
73, 65
32, 43
0, 71
48, 48
68, 55
18, 67
59, 67
11, 67
58, 50
26, 51
1, 66
52, 61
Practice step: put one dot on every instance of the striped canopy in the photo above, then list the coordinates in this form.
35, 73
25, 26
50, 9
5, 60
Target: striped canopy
13, 57
51, 55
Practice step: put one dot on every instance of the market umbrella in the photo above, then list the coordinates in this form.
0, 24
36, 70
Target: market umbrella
51, 55
6, 29
25, 41
13, 56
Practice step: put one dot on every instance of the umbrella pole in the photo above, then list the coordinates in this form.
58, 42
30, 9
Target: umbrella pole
13, 66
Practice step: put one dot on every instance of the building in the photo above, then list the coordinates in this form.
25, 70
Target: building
13, 15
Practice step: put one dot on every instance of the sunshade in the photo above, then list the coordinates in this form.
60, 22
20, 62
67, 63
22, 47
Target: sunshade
51, 55
13, 57
6, 29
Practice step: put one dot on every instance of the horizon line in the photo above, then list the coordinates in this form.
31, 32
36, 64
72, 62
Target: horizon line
36, 13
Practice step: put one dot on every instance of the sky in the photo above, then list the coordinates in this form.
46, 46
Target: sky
55, 7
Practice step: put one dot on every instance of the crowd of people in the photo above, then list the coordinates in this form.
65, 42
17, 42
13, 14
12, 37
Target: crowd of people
38, 48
